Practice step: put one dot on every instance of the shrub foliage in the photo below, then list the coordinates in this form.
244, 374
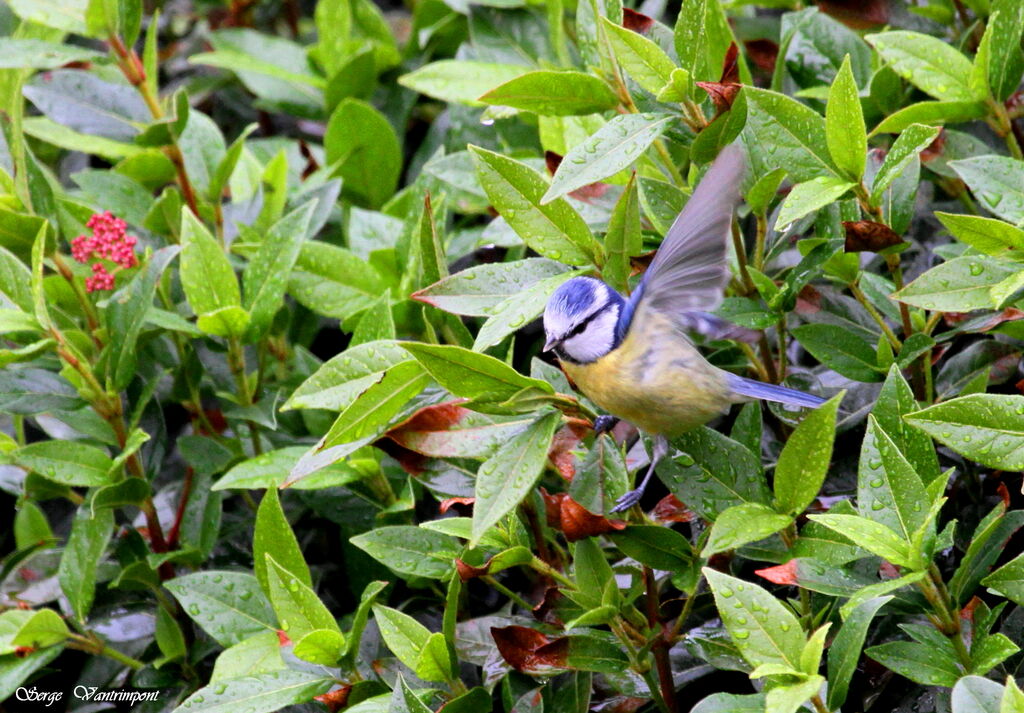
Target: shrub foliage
275, 425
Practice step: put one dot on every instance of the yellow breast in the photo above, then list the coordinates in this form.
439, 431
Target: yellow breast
656, 379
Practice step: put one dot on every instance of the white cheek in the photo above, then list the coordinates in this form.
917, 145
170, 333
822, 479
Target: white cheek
595, 341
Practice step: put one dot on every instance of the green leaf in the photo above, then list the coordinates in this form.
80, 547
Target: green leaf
809, 196
15, 280
270, 470
38, 54
554, 230
206, 275
889, 490
339, 381
763, 629
90, 533
411, 551
783, 133
844, 124
509, 475
299, 610
933, 113
958, 285
912, 141
804, 460
919, 662
986, 235
645, 61
320, 646
553, 93
927, 62
365, 152
260, 693
655, 546
273, 536
126, 313
229, 606
987, 428
70, 464
373, 411
84, 102
974, 694
375, 324
42, 628
870, 535
478, 290
333, 281
839, 349
741, 524
30, 390
518, 310
614, 147
1008, 580
844, 652
403, 700
472, 375
997, 182
1006, 61
722, 473
894, 401
460, 81
266, 276
402, 634
623, 239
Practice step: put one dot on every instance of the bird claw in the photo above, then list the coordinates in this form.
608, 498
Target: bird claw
604, 423
628, 500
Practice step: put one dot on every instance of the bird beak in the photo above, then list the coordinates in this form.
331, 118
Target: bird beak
550, 344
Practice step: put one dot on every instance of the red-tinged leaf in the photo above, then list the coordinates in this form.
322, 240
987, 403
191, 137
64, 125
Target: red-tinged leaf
935, 148
869, 236
468, 571
722, 95
622, 704
967, 612
552, 160
577, 522
1004, 493
888, 570
412, 462
553, 507
335, 700
636, 21
763, 54
639, 263
780, 574
563, 444
546, 610
857, 14
449, 430
282, 638
448, 503
528, 650
730, 66
21, 652
991, 321
672, 509
808, 301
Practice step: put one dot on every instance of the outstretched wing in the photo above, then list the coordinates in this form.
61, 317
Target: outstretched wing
689, 272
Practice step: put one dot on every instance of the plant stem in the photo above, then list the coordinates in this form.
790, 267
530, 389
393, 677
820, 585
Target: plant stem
131, 66
917, 377
548, 571
819, 705
660, 645
93, 645
236, 362
491, 581
759, 241
894, 341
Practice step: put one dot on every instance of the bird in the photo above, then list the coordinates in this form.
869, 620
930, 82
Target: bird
632, 356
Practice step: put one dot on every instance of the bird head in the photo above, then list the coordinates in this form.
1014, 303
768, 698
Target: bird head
580, 320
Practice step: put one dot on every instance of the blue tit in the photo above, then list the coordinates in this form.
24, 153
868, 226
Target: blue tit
632, 356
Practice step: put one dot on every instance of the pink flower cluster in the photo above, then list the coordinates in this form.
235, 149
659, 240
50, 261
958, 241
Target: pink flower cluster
109, 241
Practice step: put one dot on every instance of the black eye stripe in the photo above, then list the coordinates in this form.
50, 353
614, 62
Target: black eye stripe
578, 329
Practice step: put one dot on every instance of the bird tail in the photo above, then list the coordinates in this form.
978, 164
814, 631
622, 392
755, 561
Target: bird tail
771, 392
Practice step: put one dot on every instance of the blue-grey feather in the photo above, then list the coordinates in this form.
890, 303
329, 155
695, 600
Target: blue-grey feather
771, 392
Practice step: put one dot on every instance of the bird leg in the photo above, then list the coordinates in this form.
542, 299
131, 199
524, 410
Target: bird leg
605, 423
633, 496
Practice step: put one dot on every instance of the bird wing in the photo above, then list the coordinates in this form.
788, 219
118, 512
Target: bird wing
689, 271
